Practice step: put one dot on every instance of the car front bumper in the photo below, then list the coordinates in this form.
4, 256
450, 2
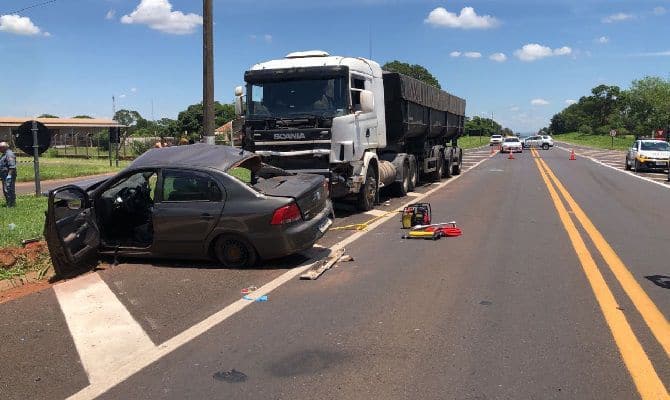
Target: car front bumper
653, 163
295, 237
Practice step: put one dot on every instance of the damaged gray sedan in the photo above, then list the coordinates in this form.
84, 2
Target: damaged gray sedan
189, 202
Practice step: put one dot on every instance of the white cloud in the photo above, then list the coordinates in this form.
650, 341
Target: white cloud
267, 38
570, 102
158, 15
618, 17
533, 51
659, 11
110, 14
653, 54
455, 54
19, 25
133, 90
514, 109
539, 102
472, 54
467, 19
603, 40
498, 57
123, 96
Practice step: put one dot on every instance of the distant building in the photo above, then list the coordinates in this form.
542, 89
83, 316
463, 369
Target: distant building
59, 127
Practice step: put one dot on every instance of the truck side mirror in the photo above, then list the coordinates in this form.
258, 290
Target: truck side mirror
367, 101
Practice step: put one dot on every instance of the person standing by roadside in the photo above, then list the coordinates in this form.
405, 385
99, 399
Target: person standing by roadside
8, 173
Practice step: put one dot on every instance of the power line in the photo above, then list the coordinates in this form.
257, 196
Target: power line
44, 3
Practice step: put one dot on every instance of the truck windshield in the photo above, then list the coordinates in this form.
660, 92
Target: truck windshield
296, 98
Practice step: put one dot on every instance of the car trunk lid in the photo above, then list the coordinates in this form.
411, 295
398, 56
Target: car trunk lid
307, 190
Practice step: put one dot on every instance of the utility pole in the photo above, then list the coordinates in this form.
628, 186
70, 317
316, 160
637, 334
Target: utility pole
208, 72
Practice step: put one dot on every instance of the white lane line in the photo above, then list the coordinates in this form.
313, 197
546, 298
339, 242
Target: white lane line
619, 169
375, 212
105, 334
144, 358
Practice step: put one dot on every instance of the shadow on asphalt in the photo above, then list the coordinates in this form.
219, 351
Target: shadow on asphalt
660, 280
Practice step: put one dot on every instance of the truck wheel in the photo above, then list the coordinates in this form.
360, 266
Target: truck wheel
439, 169
235, 252
368, 193
402, 188
414, 176
448, 166
545, 146
457, 167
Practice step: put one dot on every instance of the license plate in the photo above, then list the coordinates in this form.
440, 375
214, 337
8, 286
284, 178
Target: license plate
325, 225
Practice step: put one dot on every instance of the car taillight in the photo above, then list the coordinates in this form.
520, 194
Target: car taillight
286, 214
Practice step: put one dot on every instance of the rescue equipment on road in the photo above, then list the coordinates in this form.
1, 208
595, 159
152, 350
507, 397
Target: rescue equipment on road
416, 214
434, 231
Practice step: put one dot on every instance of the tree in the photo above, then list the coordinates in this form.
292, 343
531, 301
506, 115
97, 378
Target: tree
128, 118
648, 105
477, 126
48, 116
190, 120
415, 71
83, 117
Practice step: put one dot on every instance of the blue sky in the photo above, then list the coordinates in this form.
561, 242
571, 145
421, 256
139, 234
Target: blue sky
70, 56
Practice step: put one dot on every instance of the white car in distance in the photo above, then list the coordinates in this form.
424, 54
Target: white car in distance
496, 140
511, 144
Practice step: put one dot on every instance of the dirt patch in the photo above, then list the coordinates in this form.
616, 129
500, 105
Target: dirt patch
24, 270
31, 253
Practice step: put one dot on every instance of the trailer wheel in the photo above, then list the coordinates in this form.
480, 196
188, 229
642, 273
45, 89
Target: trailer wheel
368, 193
402, 188
457, 167
447, 166
439, 168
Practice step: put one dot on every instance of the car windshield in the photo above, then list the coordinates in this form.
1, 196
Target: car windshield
511, 140
655, 146
297, 98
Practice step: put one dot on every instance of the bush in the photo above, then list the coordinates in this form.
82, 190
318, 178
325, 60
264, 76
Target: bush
141, 146
102, 140
585, 129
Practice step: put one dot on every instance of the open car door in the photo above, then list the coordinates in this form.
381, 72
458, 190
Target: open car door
71, 231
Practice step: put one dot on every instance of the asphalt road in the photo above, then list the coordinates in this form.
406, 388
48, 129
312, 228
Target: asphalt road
559, 288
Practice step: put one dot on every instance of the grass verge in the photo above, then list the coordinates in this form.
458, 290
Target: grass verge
25, 221
597, 141
470, 142
61, 168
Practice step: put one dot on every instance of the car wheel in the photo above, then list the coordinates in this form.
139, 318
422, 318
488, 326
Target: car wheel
439, 168
368, 193
627, 164
636, 166
545, 146
402, 188
235, 252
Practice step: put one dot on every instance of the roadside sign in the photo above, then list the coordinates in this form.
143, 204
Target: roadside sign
613, 132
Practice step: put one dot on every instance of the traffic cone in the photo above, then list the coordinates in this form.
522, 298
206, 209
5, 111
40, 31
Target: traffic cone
572, 155
511, 155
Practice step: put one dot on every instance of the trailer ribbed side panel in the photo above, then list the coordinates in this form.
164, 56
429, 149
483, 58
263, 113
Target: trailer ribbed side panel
415, 110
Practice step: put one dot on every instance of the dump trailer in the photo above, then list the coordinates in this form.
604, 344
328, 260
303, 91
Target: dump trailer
345, 118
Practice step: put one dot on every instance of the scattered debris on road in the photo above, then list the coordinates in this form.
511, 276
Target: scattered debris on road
323, 265
346, 258
232, 376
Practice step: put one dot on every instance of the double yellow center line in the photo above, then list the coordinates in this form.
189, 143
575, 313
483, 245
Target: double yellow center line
647, 381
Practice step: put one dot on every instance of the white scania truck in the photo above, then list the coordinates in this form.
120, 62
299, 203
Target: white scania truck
346, 118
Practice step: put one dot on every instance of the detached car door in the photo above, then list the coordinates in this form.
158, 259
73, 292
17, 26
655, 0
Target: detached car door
189, 207
71, 230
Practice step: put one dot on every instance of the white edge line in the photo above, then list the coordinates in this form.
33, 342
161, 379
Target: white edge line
618, 169
146, 358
